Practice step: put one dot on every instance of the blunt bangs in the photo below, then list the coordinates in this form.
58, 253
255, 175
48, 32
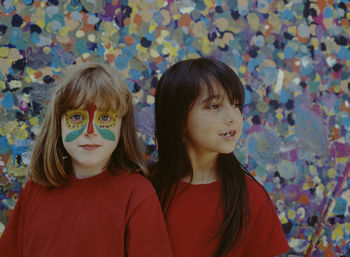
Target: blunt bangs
213, 74
92, 83
183, 84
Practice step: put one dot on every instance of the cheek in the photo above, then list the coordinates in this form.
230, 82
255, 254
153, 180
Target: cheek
240, 121
107, 134
110, 134
196, 121
68, 134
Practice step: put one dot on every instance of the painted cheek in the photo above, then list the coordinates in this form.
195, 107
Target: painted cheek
91, 110
71, 136
76, 127
106, 134
105, 128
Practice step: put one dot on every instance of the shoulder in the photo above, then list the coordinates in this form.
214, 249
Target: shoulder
264, 227
31, 187
255, 189
259, 199
31, 192
137, 191
135, 183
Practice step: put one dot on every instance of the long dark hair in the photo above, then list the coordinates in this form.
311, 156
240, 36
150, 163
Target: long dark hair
177, 90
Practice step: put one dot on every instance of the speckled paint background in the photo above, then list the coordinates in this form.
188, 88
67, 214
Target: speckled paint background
292, 56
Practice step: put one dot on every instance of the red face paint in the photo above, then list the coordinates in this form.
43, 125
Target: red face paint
91, 108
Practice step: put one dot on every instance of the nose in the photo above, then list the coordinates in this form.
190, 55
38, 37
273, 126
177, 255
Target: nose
229, 114
90, 127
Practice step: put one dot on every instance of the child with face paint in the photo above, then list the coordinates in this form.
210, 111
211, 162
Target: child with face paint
213, 207
85, 196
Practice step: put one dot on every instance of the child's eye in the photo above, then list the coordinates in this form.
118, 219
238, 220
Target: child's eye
76, 118
213, 106
105, 118
237, 105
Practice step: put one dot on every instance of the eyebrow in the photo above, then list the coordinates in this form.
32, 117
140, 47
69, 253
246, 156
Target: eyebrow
208, 99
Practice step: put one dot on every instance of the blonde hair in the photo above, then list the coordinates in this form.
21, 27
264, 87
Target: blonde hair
84, 84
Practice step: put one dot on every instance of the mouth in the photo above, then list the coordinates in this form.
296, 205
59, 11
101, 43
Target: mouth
89, 147
230, 133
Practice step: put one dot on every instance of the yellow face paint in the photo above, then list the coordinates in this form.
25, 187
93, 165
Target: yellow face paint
106, 120
76, 119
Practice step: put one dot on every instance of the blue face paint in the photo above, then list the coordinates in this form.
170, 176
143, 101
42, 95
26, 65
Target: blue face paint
74, 134
77, 120
106, 133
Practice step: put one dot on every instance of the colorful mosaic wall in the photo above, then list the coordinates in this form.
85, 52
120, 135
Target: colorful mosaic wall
293, 57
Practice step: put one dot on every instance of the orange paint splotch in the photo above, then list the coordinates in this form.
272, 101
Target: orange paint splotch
110, 58
153, 91
335, 133
129, 40
158, 59
138, 21
344, 107
86, 26
26, 18
37, 4
38, 74
323, 4
185, 20
126, 21
302, 39
303, 198
108, 45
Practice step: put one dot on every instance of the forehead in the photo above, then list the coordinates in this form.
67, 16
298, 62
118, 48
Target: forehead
211, 92
214, 90
95, 105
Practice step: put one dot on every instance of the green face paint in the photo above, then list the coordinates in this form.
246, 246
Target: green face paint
106, 133
104, 121
78, 119
74, 134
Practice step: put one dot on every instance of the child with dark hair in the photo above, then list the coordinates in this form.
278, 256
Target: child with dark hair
212, 205
86, 196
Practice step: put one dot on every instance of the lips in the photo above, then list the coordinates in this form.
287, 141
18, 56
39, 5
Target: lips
230, 133
89, 147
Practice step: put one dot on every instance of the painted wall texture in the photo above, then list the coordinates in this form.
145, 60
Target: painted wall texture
292, 56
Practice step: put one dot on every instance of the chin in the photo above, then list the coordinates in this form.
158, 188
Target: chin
226, 151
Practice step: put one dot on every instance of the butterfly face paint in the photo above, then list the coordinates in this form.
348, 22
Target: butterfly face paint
77, 120
104, 121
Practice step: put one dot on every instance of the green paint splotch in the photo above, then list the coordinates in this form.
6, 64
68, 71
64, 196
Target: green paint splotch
106, 133
74, 134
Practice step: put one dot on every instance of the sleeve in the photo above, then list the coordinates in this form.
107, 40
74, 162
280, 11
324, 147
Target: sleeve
11, 241
265, 237
146, 233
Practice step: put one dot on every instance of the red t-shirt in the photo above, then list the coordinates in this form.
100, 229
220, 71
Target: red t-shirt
104, 215
195, 215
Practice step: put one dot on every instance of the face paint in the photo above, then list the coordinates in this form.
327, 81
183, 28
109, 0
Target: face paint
106, 133
104, 121
91, 108
74, 134
78, 119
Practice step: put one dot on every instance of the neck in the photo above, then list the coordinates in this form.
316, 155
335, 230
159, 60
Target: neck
82, 172
204, 168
